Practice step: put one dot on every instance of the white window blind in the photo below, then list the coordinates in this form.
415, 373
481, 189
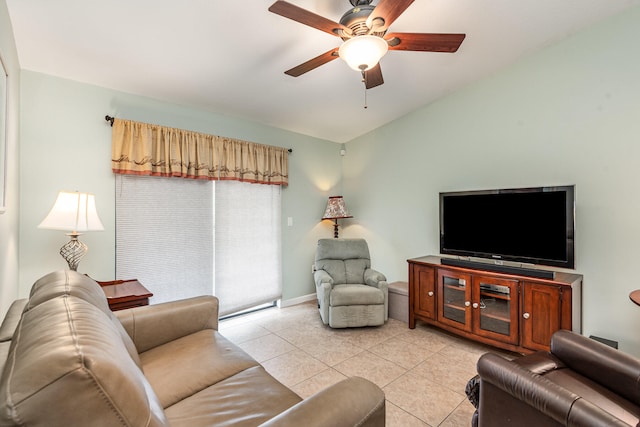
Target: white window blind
183, 238
164, 235
247, 245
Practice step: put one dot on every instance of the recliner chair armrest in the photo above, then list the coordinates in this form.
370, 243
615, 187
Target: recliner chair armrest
532, 389
373, 277
321, 276
378, 280
153, 325
541, 394
605, 365
352, 402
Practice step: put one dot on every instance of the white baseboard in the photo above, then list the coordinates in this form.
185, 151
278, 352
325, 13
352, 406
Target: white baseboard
296, 301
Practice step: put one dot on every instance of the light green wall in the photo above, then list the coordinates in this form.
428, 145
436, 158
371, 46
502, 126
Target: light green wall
9, 238
66, 145
567, 115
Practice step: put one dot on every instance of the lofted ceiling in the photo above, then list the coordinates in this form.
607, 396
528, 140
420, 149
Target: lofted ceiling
229, 57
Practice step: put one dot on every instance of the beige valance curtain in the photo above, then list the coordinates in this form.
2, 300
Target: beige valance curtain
146, 149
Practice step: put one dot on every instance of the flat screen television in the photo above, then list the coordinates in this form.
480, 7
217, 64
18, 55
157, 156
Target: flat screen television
526, 225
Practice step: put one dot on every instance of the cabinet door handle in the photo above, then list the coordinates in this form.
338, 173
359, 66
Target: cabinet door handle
467, 303
526, 315
475, 305
430, 293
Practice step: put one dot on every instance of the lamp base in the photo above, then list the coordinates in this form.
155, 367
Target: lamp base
73, 250
335, 229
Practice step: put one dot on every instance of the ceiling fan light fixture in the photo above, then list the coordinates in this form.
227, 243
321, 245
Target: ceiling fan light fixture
362, 53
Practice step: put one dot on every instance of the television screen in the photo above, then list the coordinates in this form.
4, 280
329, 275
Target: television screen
529, 225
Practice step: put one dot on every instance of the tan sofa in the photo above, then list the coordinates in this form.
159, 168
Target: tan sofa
69, 361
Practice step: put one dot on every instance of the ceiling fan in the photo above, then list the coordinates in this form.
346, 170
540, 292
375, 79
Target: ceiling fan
363, 28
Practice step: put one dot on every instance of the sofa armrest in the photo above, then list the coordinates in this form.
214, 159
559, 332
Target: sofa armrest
542, 395
378, 280
153, 325
525, 386
352, 402
373, 277
605, 365
324, 284
11, 319
320, 277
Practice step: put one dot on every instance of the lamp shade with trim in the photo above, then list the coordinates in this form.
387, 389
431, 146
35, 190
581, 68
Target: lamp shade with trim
336, 209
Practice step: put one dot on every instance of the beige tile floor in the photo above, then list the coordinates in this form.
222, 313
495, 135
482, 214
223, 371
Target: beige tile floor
423, 372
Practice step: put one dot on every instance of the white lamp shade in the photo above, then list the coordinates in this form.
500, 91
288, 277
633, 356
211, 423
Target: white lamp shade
363, 52
73, 212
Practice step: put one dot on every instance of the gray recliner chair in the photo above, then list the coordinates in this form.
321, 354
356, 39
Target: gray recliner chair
350, 293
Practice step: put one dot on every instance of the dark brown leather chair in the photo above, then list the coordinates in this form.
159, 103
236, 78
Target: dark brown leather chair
581, 382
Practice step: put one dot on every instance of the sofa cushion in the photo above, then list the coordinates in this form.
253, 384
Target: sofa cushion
72, 283
342, 249
248, 398
153, 325
188, 365
348, 271
68, 366
67, 282
598, 395
355, 295
344, 259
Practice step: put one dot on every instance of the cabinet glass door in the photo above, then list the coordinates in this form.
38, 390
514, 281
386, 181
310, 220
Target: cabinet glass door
495, 308
454, 291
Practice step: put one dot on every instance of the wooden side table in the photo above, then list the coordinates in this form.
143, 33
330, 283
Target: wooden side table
122, 294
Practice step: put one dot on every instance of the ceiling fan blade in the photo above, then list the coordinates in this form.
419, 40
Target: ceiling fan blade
425, 42
305, 17
313, 63
373, 77
389, 10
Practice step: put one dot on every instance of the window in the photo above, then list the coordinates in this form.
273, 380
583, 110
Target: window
183, 237
247, 245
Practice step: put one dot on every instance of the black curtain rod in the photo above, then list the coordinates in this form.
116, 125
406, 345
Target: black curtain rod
111, 119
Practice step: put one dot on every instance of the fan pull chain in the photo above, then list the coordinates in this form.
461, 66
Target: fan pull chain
364, 80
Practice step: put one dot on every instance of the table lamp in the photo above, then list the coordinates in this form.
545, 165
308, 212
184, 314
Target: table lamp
74, 212
336, 209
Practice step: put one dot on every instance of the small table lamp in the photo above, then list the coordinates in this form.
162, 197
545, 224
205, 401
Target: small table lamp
336, 209
73, 212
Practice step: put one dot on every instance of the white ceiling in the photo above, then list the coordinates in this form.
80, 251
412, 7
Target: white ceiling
229, 57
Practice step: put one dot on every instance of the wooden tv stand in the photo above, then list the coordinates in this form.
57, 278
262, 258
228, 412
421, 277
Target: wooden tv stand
508, 310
